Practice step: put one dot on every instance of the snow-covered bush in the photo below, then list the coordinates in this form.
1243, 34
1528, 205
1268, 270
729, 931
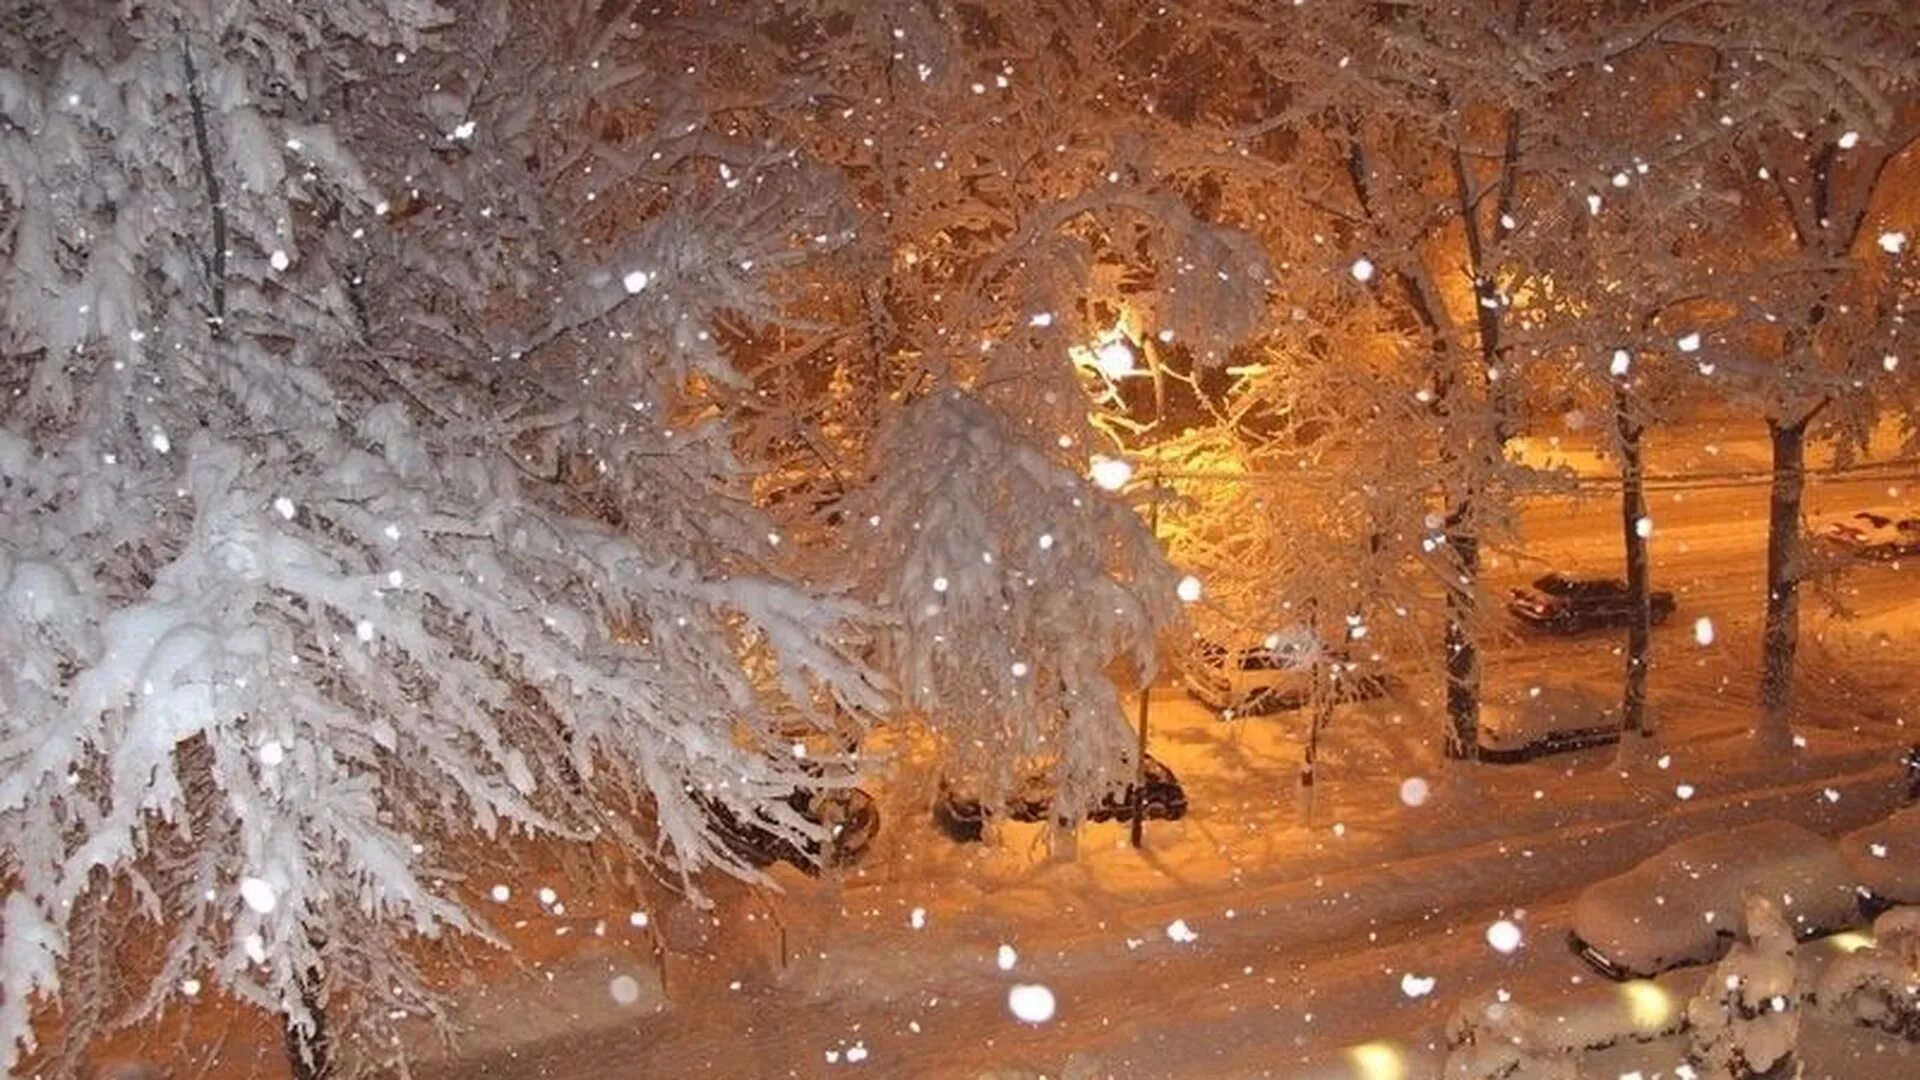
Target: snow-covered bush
1879, 985
1498, 1040
360, 499
1745, 1021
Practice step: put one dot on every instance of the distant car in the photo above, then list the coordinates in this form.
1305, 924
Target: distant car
848, 816
1683, 906
1878, 533
1526, 722
962, 814
1275, 674
1568, 603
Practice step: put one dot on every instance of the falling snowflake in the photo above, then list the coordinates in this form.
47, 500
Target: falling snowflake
1030, 1003
1189, 589
1689, 343
464, 131
1893, 243
259, 894
1416, 985
548, 896
272, 753
1703, 630
1006, 958
1621, 361
278, 260
1504, 936
917, 918
1362, 270
1684, 791
501, 894
1414, 791
1178, 931
284, 507
625, 989
636, 281
1111, 474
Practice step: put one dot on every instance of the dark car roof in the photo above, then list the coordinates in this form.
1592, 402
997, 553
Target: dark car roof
1560, 584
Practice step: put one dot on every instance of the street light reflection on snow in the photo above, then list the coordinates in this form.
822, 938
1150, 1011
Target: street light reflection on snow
1649, 1006
1378, 1061
1111, 474
1852, 941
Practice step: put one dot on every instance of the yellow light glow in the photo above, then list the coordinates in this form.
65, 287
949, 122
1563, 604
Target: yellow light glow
1851, 942
1378, 1061
1650, 1006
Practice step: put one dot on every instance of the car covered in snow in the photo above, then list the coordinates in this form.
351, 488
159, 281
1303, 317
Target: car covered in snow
1683, 905
1569, 603
1874, 533
848, 818
962, 813
1522, 723
1276, 674
1885, 858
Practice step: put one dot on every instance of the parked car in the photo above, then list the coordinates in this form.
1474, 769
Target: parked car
1569, 603
1275, 674
848, 816
961, 813
1876, 533
1885, 859
1523, 723
1683, 906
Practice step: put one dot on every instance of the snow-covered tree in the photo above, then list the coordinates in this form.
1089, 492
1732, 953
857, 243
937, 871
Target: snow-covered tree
1823, 104
1422, 151
1018, 593
364, 490
1012, 214
1612, 300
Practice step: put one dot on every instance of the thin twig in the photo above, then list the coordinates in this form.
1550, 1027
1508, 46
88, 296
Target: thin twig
214, 262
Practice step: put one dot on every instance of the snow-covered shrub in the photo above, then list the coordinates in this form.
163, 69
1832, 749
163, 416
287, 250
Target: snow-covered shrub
1745, 1021
1879, 985
359, 502
1498, 1040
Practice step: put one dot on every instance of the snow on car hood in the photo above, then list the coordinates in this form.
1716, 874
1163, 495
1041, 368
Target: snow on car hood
1682, 905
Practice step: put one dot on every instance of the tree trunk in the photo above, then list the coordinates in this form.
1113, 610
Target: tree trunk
1633, 510
310, 1057
1463, 647
1780, 637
